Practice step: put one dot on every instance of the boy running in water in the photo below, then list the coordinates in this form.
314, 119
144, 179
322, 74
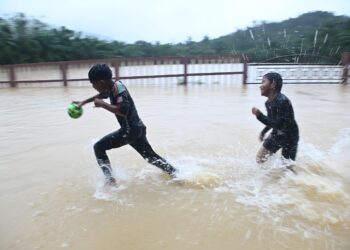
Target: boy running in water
280, 118
132, 130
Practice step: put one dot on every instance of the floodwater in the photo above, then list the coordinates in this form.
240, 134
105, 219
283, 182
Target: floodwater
52, 194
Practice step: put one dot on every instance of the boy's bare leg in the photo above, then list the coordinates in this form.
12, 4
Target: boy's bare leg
262, 155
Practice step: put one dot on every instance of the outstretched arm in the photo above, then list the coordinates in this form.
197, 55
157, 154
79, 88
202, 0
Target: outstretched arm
115, 109
120, 107
91, 99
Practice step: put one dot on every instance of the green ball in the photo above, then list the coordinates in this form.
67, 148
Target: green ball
74, 111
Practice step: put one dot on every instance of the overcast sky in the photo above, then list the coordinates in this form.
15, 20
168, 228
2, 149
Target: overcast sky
166, 21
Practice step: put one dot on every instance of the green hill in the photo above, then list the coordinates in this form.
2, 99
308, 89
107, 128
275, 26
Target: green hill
317, 36
312, 37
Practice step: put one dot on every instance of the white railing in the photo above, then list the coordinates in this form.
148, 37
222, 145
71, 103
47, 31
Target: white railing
297, 73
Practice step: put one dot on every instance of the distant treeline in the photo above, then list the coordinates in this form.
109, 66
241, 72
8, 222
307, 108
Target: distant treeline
318, 37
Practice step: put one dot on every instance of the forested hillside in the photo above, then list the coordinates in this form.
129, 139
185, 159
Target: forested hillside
311, 37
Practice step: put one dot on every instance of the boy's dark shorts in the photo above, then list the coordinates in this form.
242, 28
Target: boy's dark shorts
289, 145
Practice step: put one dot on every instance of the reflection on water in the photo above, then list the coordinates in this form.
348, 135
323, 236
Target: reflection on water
53, 197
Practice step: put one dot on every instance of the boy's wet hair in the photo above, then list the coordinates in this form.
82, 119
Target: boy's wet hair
277, 78
100, 72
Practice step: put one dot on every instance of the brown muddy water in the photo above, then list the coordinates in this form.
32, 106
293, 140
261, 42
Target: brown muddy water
52, 194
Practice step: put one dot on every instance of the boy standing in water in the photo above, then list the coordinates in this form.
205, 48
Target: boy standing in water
280, 117
132, 130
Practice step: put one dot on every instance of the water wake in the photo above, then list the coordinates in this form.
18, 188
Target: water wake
315, 201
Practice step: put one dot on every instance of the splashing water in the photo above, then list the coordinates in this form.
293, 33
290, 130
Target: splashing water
221, 198
314, 201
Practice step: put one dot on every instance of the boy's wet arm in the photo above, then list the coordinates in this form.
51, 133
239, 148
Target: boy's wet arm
272, 123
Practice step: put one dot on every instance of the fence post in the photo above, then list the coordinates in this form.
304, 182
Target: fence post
185, 62
12, 76
63, 67
346, 63
116, 65
245, 69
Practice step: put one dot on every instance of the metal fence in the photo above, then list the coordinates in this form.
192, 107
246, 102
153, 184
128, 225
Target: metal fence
215, 69
179, 70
